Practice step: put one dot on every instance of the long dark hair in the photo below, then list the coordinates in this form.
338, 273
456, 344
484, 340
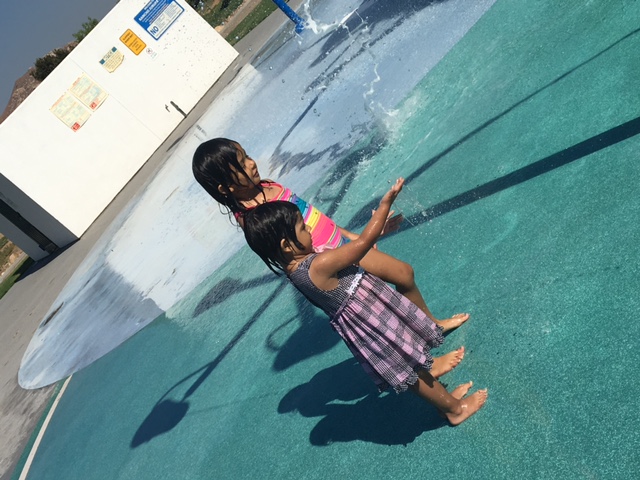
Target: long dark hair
215, 163
266, 226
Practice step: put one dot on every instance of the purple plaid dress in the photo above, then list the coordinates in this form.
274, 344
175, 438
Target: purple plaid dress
390, 336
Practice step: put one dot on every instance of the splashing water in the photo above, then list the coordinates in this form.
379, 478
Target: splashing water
318, 27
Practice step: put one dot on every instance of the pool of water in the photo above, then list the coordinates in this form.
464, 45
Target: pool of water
519, 143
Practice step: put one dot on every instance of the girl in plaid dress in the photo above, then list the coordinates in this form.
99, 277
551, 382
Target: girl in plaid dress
389, 335
223, 168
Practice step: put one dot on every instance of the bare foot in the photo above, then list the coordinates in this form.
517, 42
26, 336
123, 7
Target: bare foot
469, 406
453, 322
458, 393
461, 390
446, 362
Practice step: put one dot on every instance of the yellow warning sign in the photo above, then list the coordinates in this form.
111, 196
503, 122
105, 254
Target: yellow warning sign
131, 40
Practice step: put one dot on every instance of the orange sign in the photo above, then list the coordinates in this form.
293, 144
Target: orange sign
131, 40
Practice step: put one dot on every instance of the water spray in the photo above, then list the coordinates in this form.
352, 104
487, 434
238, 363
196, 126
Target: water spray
413, 197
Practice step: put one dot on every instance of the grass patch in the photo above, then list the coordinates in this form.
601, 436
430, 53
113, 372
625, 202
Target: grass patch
262, 11
8, 282
216, 14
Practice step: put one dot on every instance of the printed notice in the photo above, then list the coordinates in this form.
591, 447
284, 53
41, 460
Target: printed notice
71, 111
158, 15
112, 60
75, 106
88, 92
134, 42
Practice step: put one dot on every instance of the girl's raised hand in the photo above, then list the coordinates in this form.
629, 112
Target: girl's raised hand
392, 194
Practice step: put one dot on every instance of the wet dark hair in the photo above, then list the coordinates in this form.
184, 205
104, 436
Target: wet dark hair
264, 228
213, 165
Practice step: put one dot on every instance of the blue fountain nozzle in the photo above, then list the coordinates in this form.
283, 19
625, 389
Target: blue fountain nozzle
288, 11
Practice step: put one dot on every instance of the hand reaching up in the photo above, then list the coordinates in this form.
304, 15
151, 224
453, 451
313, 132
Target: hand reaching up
393, 192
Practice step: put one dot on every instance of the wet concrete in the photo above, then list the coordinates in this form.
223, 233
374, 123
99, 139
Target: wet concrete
25, 306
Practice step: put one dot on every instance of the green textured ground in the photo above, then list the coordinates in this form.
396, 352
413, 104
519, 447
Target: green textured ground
520, 149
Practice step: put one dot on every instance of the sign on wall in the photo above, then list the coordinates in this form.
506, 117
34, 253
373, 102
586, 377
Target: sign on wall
74, 107
158, 15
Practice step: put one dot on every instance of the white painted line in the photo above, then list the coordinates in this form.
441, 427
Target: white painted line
36, 444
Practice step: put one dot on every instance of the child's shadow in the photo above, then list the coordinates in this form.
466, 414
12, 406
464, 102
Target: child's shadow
387, 419
312, 336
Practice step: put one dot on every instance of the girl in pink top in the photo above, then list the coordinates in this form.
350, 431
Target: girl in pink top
325, 234
231, 177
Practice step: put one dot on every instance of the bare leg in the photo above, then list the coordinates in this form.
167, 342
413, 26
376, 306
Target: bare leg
396, 272
401, 275
456, 410
445, 363
459, 392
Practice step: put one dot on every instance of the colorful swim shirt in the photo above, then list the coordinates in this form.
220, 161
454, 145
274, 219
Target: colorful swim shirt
325, 234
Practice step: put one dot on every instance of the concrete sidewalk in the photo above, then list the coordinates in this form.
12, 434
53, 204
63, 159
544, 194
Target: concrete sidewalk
24, 306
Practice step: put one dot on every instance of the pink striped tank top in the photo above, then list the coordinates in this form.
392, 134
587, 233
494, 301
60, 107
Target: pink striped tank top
325, 234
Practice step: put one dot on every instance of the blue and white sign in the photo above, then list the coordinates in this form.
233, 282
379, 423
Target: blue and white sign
158, 15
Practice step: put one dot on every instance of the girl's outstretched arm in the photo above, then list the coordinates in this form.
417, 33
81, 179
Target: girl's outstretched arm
328, 263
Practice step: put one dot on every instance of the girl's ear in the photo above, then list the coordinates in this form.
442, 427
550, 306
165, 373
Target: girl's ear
285, 246
223, 190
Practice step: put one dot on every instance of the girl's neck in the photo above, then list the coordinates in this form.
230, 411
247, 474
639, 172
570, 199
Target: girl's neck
248, 196
293, 264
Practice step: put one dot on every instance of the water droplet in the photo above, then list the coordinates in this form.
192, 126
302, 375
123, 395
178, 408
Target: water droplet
270, 68
283, 80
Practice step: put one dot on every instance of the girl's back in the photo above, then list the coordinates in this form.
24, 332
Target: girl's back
328, 300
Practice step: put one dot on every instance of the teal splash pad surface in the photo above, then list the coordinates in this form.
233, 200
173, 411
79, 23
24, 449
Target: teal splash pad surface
522, 208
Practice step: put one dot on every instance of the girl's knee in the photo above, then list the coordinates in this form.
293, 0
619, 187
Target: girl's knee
406, 275
390, 269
